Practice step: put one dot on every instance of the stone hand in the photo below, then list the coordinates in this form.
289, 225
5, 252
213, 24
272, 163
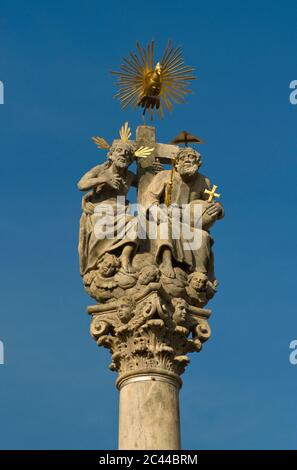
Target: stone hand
213, 209
115, 181
157, 167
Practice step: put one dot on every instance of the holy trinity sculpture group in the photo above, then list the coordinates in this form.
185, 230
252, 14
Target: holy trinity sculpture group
151, 271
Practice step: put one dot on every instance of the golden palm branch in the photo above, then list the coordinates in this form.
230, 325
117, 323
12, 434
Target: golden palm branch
125, 132
153, 87
101, 143
143, 152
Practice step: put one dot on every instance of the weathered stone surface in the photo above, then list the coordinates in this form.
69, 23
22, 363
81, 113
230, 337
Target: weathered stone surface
149, 413
136, 282
150, 292
148, 332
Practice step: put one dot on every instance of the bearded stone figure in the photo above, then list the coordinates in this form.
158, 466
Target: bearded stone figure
108, 185
188, 191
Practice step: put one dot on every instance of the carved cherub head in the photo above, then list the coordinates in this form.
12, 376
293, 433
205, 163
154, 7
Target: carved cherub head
125, 309
180, 311
188, 161
198, 281
108, 265
148, 274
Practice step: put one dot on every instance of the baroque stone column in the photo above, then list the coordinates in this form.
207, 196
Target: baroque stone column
150, 294
149, 340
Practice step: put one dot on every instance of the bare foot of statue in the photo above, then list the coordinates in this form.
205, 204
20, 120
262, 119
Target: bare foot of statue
126, 265
125, 259
166, 267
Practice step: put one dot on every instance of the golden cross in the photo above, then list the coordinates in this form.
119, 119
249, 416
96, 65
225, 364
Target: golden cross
212, 193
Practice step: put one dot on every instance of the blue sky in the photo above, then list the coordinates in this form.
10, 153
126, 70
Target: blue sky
56, 390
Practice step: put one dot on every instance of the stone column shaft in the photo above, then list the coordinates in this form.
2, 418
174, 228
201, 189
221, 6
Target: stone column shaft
149, 412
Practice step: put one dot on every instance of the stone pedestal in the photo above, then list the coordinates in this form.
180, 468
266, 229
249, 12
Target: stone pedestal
149, 338
149, 411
